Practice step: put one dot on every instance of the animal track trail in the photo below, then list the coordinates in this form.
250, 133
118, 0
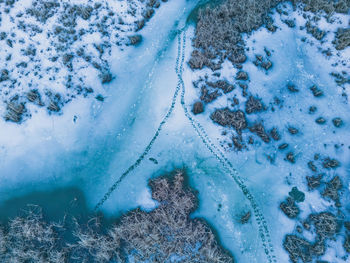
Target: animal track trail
155, 136
228, 167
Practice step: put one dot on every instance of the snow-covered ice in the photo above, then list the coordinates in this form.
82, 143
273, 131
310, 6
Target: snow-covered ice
92, 143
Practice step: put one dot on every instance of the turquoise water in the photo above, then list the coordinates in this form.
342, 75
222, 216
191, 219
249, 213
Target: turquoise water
55, 204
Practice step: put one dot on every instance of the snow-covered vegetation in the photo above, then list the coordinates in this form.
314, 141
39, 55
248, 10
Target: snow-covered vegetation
55, 51
285, 112
166, 234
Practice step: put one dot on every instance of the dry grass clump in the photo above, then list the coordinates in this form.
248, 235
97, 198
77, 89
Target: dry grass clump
325, 225
328, 6
162, 235
290, 208
165, 233
218, 30
342, 38
297, 248
93, 246
43, 10
14, 111
2, 242
227, 118
31, 239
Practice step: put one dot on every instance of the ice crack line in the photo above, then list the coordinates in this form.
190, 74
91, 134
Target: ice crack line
262, 224
155, 136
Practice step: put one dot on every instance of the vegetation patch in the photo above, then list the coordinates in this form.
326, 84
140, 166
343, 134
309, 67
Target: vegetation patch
161, 235
61, 47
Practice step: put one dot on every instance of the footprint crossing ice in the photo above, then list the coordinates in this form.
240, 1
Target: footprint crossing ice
219, 155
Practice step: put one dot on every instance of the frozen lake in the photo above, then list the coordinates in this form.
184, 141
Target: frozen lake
145, 128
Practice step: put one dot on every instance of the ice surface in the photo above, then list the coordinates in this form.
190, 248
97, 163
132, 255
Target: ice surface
92, 143
52, 151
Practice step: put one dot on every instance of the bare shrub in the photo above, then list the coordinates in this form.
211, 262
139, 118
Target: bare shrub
342, 38
227, 118
297, 248
315, 6
218, 30
156, 236
168, 231
92, 246
31, 239
290, 208
43, 10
